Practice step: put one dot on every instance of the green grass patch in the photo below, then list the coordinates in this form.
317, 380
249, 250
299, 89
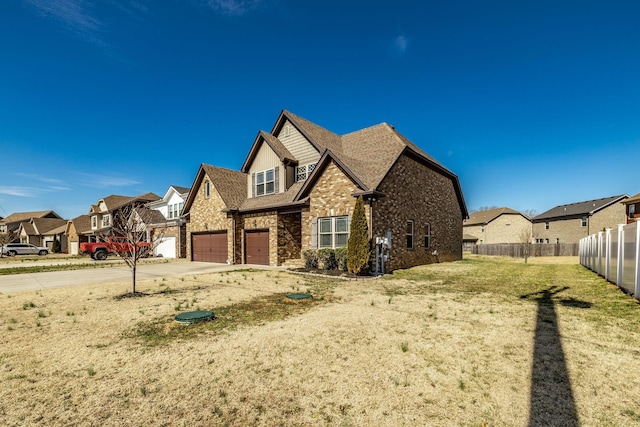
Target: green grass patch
257, 311
45, 268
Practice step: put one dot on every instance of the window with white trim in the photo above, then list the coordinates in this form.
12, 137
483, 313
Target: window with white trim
106, 221
409, 234
632, 211
265, 182
94, 222
584, 221
333, 232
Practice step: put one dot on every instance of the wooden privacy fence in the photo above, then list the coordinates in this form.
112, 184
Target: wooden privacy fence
517, 250
615, 255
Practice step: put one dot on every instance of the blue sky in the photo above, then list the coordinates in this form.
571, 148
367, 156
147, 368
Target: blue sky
531, 103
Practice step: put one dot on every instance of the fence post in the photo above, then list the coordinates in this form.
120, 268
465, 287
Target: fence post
607, 252
636, 294
620, 253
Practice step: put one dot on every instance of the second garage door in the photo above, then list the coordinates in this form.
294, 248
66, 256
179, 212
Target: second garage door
257, 244
209, 247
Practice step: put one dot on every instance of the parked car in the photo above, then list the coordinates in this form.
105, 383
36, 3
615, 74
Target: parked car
12, 249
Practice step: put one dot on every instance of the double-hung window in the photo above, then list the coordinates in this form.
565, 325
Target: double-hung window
333, 232
265, 182
409, 234
427, 235
106, 220
584, 221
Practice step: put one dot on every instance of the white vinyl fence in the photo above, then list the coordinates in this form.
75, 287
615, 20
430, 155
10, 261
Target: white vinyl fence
615, 255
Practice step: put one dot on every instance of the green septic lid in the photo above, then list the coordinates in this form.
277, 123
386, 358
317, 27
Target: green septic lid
194, 316
299, 296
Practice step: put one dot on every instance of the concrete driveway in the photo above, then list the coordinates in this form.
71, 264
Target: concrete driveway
111, 273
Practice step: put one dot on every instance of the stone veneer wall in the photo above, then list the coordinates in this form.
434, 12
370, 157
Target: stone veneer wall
206, 215
289, 237
262, 221
330, 196
416, 192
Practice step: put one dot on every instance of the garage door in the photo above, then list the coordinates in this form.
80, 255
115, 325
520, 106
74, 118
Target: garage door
166, 247
257, 244
210, 247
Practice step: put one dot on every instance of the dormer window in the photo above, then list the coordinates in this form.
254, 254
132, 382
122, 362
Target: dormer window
94, 222
265, 182
106, 221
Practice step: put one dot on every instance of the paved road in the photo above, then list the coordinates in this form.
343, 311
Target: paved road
113, 273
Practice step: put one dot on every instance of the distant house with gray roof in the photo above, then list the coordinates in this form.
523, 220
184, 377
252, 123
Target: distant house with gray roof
297, 188
571, 222
499, 225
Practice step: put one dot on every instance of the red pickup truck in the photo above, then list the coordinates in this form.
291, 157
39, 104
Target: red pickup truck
100, 250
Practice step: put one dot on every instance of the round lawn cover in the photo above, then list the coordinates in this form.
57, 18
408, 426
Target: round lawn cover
194, 316
299, 296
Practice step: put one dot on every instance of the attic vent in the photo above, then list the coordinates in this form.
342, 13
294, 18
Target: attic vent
287, 130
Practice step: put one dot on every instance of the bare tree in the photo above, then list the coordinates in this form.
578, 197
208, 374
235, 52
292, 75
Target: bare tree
5, 238
131, 238
530, 212
526, 240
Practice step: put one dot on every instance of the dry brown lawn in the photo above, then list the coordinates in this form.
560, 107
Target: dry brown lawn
479, 342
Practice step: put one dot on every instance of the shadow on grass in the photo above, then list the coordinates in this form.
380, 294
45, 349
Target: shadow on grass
551, 402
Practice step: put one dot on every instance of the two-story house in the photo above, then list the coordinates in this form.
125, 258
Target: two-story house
500, 225
569, 223
102, 213
297, 189
171, 226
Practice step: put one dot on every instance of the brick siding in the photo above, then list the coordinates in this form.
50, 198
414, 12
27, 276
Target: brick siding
416, 192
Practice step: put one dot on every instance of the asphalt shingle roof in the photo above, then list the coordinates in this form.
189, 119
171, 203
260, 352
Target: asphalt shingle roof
47, 225
579, 209
232, 185
485, 217
82, 223
26, 216
181, 190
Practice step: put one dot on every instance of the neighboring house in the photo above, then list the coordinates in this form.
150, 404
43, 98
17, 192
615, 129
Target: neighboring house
569, 223
173, 242
632, 206
101, 214
43, 232
77, 231
297, 189
11, 223
500, 225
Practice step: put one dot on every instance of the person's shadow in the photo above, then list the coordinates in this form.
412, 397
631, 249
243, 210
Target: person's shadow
551, 402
